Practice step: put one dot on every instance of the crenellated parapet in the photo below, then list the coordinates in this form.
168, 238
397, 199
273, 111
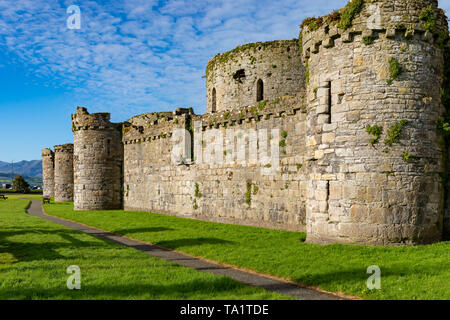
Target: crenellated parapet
83, 120
377, 19
157, 125
263, 110
374, 102
339, 132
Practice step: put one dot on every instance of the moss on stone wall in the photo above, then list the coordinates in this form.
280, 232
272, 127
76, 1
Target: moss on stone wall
343, 17
350, 11
395, 132
428, 18
375, 131
394, 69
246, 48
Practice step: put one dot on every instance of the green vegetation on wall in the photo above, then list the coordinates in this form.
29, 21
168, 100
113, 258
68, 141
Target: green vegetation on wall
249, 47
368, 40
197, 193
394, 69
428, 18
350, 11
375, 131
248, 193
395, 132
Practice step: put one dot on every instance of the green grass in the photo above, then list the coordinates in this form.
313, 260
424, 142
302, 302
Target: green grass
419, 272
35, 253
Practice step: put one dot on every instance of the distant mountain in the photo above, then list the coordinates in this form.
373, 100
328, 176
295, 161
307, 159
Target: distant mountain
31, 168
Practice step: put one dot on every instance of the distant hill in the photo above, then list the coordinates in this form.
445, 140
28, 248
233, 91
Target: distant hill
31, 168
33, 181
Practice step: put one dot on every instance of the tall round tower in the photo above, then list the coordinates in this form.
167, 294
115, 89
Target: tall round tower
254, 72
48, 172
64, 173
375, 72
98, 159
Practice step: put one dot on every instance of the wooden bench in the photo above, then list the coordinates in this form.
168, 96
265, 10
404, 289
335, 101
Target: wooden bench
2, 196
45, 200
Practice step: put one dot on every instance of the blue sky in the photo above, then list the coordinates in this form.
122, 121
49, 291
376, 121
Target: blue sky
129, 57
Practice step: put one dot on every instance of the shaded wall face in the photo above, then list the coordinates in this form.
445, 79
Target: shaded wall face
98, 158
63, 176
447, 211
48, 174
380, 193
232, 193
235, 79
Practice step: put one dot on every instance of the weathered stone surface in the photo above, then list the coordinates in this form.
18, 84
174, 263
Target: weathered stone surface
98, 159
276, 63
378, 197
331, 178
64, 173
48, 172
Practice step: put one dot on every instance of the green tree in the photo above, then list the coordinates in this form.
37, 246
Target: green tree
20, 185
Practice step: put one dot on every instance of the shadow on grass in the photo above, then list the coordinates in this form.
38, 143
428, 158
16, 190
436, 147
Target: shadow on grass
184, 290
191, 242
45, 248
142, 230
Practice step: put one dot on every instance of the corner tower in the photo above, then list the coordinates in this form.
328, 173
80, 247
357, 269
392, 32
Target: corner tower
64, 173
374, 73
254, 72
98, 159
48, 172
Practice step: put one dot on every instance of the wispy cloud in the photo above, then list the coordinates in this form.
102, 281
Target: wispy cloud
134, 56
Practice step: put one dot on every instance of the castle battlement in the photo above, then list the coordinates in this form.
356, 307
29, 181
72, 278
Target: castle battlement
350, 111
83, 120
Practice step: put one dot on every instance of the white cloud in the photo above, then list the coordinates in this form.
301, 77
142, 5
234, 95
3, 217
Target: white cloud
134, 56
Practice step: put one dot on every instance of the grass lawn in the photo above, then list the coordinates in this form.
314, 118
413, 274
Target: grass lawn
34, 256
420, 272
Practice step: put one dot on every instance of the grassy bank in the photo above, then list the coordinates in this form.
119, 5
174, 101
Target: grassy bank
34, 256
420, 272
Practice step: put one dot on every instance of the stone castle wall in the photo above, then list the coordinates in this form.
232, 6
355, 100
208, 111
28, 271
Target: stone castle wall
64, 173
324, 98
227, 192
98, 158
359, 192
48, 172
234, 75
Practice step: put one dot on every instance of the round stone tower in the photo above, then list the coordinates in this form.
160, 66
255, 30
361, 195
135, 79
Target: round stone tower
375, 69
64, 173
48, 172
254, 72
98, 159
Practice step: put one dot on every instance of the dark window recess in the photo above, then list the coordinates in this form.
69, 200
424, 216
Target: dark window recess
259, 90
329, 101
328, 190
213, 101
239, 75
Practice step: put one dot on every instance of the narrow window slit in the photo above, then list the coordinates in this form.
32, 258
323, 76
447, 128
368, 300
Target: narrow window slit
329, 102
